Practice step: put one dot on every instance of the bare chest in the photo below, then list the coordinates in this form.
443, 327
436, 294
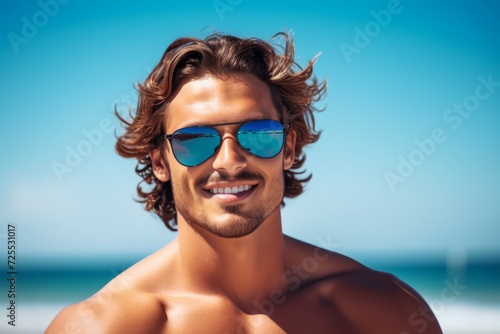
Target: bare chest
273, 315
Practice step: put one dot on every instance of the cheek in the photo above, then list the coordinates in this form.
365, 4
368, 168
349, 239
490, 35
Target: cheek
182, 184
275, 173
178, 179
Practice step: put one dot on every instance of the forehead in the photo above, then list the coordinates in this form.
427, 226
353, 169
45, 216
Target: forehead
212, 100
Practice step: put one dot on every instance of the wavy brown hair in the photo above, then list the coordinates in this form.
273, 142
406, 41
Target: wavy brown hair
294, 91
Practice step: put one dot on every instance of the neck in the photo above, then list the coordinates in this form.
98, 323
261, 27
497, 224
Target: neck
245, 269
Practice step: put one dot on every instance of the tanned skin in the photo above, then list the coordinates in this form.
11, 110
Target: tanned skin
228, 271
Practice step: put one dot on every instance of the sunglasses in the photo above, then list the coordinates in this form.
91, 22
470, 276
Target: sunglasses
196, 144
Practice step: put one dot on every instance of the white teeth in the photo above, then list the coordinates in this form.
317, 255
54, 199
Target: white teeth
229, 190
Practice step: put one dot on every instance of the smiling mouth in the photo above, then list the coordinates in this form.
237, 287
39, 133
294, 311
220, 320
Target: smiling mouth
231, 190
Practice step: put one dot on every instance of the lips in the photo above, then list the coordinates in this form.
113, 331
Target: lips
227, 193
230, 190
222, 187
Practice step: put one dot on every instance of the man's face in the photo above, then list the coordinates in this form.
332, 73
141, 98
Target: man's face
256, 184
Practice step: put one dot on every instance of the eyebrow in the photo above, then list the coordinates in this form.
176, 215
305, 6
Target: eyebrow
258, 116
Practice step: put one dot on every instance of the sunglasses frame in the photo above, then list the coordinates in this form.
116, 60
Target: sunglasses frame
169, 137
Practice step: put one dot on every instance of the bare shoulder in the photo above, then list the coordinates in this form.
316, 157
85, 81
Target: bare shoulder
385, 303
127, 304
111, 313
372, 301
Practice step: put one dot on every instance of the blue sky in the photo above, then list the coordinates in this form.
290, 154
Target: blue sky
393, 82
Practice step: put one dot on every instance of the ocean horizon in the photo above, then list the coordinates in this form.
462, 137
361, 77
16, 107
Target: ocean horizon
465, 300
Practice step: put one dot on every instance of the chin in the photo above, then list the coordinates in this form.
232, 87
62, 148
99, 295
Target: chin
232, 227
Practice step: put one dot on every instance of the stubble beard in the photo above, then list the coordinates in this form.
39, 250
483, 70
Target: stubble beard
242, 222
240, 225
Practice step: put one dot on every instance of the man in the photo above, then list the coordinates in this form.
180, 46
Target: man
218, 133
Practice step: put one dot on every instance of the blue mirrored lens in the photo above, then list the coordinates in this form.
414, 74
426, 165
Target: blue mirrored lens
263, 138
192, 146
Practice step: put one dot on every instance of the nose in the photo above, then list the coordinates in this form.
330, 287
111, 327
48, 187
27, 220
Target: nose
230, 157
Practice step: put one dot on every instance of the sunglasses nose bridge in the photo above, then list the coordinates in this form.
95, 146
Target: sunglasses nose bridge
230, 156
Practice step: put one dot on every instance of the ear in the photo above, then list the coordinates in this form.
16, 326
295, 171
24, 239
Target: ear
160, 166
289, 149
